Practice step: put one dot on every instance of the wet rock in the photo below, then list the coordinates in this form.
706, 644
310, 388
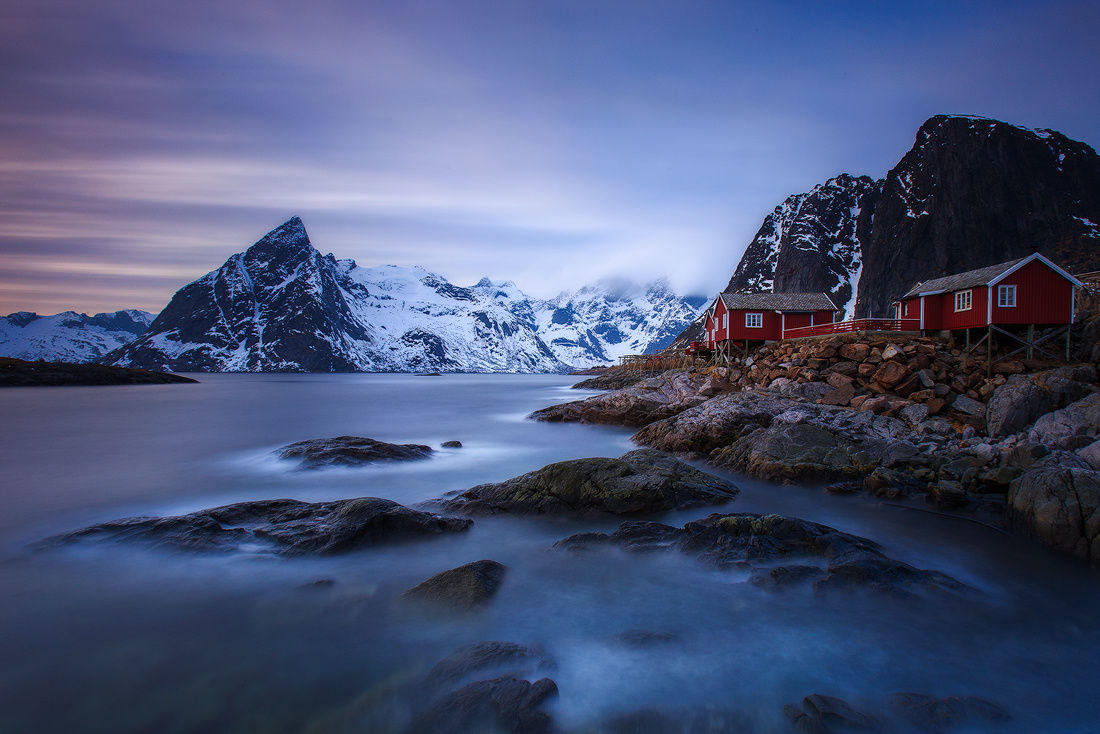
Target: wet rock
756, 542
1057, 501
288, 527
968, 405
638, 482
785, 576
800, 451
828, 715
320, 584
947, 495
613, 379
651, 399
1091, 454
465, 587
936, 715
507, 659
715, 423
350, 451
1074, 426
497, 705
451, 444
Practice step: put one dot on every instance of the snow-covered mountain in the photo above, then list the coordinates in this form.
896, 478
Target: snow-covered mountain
282, 306
812, 242
69, 336
601, 322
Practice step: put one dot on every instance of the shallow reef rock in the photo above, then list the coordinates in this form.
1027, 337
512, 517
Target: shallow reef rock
507, 659
828, 715
765, 544
466, 587
651, 399
613, 380
497, 705
350, 451
940, 715
638, 482
287, 527
698, 720
1057, 501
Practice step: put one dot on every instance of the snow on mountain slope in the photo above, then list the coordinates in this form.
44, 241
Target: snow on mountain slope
812, 242
282, 306
69, 336
601, 322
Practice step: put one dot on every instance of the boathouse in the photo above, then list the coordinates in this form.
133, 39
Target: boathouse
756, 317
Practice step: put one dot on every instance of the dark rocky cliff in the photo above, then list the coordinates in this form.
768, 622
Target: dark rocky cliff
971, 192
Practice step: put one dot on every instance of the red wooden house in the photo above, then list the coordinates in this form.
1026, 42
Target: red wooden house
1029, 291
749, 317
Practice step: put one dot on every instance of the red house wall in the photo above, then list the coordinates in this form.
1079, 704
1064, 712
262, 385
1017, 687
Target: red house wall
769, 330
795, 320
823, 317
1042, 297
951, 319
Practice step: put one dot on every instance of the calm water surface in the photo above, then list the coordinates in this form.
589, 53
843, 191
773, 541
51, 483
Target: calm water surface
125, 639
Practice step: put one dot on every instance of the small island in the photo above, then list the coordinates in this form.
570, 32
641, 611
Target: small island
21, 373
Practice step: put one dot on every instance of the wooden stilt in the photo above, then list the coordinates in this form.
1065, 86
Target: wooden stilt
1030, 340
1068, 328
989, 353
968, 338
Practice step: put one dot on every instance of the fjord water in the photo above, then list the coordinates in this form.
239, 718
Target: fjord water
126, 639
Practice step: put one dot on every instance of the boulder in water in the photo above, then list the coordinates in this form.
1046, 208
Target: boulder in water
497, 705
465, 587
638, 482
350, 451
287, 527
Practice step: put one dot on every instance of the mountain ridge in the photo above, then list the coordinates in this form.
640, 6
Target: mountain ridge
283, 306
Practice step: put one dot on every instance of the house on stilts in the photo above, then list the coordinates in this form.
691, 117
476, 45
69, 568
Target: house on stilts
1027, 302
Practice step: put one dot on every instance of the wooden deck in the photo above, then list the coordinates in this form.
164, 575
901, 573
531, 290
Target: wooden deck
855, 325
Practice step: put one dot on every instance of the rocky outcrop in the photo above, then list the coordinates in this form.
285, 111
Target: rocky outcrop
820, 714
350, 451
1057, 501
18, 373
502, 659
287, 527
613, 379
638, 482
1017, 403
920, 712
651, 399
1075, 426
497, 705
940, 715
465, 587
765, 543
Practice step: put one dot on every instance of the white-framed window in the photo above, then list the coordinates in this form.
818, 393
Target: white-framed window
1006, 296
726, 320
754, 320
963, 300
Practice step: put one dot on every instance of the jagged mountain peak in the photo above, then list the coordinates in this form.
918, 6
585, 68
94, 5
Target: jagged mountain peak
280, 305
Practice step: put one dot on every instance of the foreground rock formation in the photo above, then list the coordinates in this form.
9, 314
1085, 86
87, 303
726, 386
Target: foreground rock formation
638, 482
286, 527
819, 714
780, 551
350, 451
891, 415
20, 373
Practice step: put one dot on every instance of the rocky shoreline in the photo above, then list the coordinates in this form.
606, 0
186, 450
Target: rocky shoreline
891, 416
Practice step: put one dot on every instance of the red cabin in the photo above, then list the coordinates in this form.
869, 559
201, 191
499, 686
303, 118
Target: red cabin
764, 316
1029, 291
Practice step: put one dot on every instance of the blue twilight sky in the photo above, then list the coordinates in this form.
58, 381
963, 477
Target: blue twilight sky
551, 143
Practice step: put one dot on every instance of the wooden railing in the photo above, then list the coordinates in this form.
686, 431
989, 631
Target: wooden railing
840, 327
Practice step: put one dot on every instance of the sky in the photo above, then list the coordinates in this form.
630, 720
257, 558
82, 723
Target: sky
549, 143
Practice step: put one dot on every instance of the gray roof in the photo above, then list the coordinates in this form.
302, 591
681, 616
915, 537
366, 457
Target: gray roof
778, 301
969, 279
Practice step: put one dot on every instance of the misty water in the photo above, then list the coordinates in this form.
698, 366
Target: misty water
118, 638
